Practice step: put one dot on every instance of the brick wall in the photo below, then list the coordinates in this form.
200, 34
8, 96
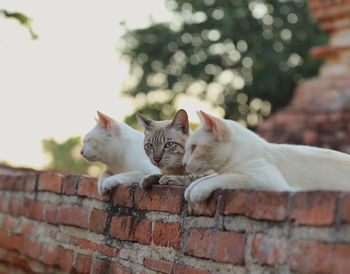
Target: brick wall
58, 223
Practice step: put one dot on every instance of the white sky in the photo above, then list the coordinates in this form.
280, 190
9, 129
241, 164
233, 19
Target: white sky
53, 86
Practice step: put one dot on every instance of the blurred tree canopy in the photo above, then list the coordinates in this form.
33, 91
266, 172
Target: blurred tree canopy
22, 19
65, 157
243, 56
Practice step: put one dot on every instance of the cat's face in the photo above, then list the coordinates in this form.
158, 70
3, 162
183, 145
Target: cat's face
164, 142
97, 144
208, 147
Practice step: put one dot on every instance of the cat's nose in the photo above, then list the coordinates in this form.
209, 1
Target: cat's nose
81, 152
185, 165
157, 160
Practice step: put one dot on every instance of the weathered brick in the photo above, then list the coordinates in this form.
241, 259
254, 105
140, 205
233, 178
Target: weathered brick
98, 220
70, 214
317, 257
345, 209
83, 263
197, 242
16, 206
85, 244
88, 187
167, 234
10, 223
269, 250
229, 247
30, 182
179, 269
160, 198
70, 184
14, 183
158, 265
30, 248
9, 240
128, 228
51, 213
33, 209
123, 196
261, 205
107, 250
51, 254
29, 229
66, 259
314, 208
108, 267
50, 181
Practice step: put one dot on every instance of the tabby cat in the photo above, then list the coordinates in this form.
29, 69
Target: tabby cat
164, 144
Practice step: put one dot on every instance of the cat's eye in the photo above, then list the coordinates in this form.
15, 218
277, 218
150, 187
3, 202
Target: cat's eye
149, 146
193, 147
169, 144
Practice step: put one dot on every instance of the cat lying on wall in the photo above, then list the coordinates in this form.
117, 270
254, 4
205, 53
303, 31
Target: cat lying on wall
120, 148
164, 145
244, 160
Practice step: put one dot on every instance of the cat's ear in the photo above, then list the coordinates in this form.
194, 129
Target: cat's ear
215, 125
180, 121
147, 123
104, 120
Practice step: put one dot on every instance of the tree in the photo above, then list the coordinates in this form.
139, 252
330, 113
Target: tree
242, 56
64, 156
22, 19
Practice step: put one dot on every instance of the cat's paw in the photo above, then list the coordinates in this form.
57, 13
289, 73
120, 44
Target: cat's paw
108, 184
173, 180
100, 188
150, 180
199, 194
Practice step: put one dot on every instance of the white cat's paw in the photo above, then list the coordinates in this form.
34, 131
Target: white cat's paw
199, 194
100, 188
108, 184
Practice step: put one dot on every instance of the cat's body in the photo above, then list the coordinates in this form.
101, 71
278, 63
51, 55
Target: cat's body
164, 144
120, 148
242, 159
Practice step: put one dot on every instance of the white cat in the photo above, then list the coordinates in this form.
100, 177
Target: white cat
120, 148
242, 159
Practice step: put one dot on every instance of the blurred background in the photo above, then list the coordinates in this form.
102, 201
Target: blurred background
61, 61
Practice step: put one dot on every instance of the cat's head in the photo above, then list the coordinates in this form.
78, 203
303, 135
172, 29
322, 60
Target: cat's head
209, 146
164, 142
100, 142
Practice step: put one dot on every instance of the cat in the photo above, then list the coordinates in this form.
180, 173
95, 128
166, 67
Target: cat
120, 148
242, 159
164, 144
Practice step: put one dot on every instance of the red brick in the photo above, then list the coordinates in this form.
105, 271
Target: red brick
179, 269
83, 263
51, 254
9, 223
345, 209
314, 208
30, 182
29, 229
16, 207
229, 247
2, 181
158, 265
30, 248
123, 196
70, 214
160, 198
107, 250
50, 181
108, 267
261, 205
66, 259
98, 220
33, 209
14, 183
197, 242
9, 241
70, 184
51, 213
4, 203
167, 234
88, 187
85, 244
316, 257
269, 250
127, 228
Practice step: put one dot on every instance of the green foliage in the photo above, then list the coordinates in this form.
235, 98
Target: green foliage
22, 19
65, 157
244, 56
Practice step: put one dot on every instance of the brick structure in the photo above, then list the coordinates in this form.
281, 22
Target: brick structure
54, 223
319, 113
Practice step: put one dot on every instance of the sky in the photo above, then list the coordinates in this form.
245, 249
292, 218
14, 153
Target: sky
54, 86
